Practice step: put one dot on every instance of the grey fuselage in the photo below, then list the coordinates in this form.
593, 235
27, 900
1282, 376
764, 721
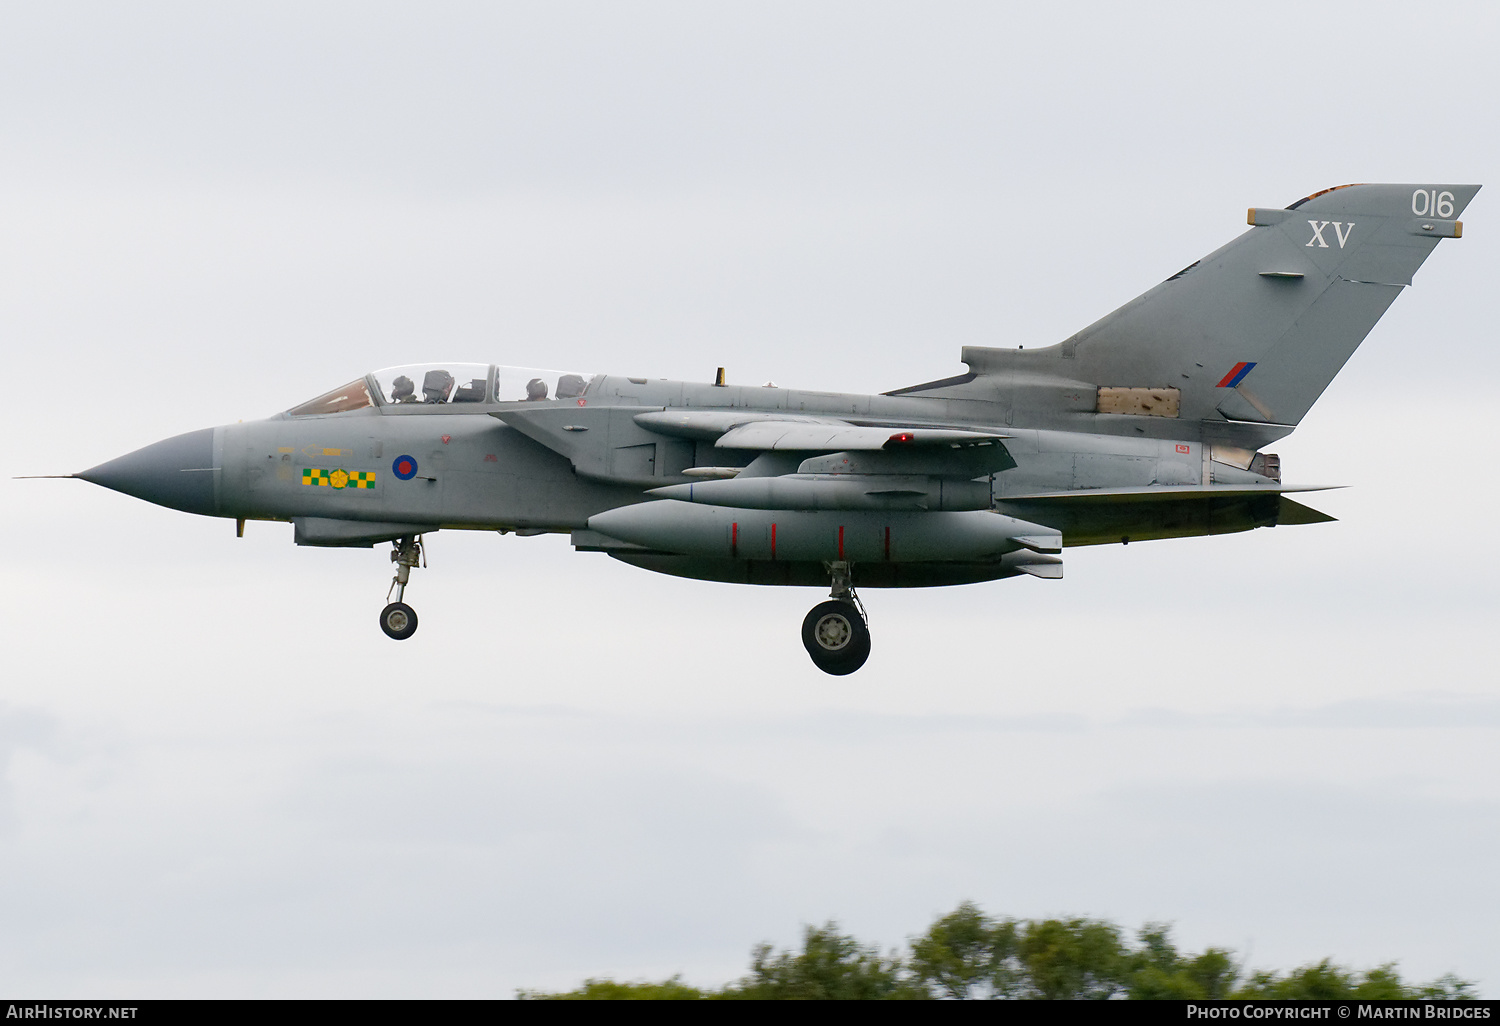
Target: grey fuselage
476, 472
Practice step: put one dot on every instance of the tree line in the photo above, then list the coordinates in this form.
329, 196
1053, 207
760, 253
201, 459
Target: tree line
967, 954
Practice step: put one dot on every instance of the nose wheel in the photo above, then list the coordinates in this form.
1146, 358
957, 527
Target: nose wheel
399, 620
835, 633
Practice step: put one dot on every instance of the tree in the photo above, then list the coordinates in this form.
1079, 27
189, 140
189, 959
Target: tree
1445, 988
608, 990
1074, 958
966, 954
1160, 972
1324, 981
831, 966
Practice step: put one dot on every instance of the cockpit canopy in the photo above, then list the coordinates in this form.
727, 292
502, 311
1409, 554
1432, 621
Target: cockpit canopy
431, 384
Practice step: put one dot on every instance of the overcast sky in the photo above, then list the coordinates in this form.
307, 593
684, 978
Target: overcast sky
220, 779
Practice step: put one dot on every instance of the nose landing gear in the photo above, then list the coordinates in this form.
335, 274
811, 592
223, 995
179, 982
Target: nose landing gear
399, 620
835, 632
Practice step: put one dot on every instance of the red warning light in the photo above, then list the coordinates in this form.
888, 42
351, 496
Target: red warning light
903, 436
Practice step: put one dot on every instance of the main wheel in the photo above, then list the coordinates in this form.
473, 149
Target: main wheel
398, 620
836, 637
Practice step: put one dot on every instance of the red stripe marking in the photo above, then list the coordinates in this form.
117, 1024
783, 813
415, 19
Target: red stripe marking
773, 541
734, 540
1226, 379
841, 543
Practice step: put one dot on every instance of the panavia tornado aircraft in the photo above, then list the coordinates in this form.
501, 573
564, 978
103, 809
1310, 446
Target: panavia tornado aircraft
1149, 423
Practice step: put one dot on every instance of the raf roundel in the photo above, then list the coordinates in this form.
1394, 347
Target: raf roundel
405, 467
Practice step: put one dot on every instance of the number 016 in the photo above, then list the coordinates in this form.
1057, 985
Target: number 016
1430, 201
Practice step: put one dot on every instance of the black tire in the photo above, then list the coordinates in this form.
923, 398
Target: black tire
836, 637
398, 620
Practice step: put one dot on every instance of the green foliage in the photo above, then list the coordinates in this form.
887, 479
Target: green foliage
1324, 981
1073, 959
831, 966
1445, 988
608, 990
1159, 972
966, 954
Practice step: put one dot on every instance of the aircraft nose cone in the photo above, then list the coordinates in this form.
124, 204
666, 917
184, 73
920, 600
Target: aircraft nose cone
175, 472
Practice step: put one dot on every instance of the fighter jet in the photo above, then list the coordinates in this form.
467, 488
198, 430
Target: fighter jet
1150, 423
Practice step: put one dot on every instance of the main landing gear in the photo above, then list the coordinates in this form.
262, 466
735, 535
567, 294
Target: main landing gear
835, 633
399, 620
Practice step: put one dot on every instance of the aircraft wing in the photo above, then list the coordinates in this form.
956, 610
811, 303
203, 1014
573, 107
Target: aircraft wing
788, 435
707, 425
783, 432
627, 445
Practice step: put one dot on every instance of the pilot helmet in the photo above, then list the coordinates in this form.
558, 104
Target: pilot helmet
436, 385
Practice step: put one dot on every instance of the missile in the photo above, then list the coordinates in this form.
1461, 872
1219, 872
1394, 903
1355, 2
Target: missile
694, 529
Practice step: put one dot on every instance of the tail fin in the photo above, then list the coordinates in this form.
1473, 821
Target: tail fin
1256, 330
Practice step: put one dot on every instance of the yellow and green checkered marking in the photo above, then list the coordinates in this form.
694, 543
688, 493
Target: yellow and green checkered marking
338, 478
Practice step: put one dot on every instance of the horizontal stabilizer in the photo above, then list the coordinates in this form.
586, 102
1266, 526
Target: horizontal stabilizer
1105, 516
1295, 513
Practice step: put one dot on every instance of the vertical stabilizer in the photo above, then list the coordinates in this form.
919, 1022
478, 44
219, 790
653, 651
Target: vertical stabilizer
1256, 330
